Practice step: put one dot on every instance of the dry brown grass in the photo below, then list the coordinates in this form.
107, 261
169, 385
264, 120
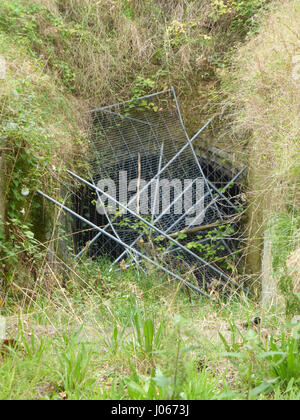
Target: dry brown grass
113, 42
264, 118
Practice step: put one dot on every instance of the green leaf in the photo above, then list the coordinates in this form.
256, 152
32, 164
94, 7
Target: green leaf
189, 348
226, 345
148, 332
270, 354
235, 355
135, 388
264, 387
161, 380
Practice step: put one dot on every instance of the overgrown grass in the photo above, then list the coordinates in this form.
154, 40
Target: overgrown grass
116, 335
262, 110
40, 134
80, 331
105, 51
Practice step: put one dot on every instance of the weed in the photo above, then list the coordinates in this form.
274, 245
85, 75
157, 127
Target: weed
264, 365
72, 373
145, 337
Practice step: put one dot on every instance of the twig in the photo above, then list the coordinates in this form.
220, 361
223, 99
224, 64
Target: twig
138, 184
195, 229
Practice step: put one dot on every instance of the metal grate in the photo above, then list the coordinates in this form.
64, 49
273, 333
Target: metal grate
139, 145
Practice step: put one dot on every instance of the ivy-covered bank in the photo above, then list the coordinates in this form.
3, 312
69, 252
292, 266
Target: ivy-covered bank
40, 134
261, 106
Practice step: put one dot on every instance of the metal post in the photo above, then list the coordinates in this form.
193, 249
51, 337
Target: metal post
130, 100
123, 244
157, 182
196, 159
182, 216
150, 225
131, 201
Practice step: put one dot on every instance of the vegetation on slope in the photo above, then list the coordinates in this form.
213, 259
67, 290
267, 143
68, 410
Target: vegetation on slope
262, 109
62, 55
39, 134
110, 50
96, 52
133, 336
80, 331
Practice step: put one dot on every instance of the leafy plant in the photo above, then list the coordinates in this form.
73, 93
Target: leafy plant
153, 387
17, 243
147, 339
72, 373
285, 236
197, 385
284, 360
264, 366
211, 250
240, 13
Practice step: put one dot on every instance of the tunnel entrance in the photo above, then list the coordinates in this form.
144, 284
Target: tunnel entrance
144, 143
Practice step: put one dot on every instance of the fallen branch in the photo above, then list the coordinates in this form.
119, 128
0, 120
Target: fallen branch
188, 231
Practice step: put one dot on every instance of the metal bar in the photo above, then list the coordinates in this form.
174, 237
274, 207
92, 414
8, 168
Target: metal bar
157, 183
208, 183
126, 116
222, 195
130, 100
184, 215
226, 186
123, 244
99, 233
160, 216
153, 179
179, 113
114, 113
166, 252
109, 221
193, 151
196, 158
150, 225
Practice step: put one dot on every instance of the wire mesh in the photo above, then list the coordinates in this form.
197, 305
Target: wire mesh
130, 142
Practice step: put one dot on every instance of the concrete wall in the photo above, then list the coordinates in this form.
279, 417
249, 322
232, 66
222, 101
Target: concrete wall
270, 294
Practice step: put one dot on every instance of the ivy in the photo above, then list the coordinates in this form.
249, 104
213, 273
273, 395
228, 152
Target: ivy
17, 244
241, 14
